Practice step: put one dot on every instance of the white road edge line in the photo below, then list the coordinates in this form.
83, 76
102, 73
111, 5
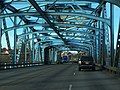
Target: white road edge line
70, 87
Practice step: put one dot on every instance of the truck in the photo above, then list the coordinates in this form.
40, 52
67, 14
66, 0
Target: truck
65, 59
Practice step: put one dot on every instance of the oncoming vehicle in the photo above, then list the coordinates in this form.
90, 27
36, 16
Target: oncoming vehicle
65, 59
86, 62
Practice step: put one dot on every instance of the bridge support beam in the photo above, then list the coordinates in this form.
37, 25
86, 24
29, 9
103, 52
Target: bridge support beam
46, 55
39, 51
25, 48
52, 55
55, 55
103, 40
59, 56
33, 56
15, 39
1, 6
112, 32
0, 39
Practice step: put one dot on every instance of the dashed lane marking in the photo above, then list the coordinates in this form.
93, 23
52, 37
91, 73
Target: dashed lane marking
70, 87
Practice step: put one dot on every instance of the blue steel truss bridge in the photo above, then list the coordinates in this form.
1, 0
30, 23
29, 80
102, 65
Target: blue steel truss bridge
38, 32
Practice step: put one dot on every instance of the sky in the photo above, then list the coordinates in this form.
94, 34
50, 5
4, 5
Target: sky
116, 21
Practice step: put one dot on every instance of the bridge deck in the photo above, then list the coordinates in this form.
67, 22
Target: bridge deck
57, 77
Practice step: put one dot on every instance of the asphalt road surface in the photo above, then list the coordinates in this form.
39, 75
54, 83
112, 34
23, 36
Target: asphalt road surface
57, 77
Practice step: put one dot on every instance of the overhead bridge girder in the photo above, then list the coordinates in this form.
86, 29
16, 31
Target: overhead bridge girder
81, 2
105, 20
26, 21
45, 16
50, 31
46, 25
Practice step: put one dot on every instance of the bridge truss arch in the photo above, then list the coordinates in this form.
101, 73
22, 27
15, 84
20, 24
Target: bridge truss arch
75, 24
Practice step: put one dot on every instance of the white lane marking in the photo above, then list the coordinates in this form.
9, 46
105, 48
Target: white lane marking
70, 87
74, 74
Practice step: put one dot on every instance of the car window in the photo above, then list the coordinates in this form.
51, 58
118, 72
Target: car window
86, 58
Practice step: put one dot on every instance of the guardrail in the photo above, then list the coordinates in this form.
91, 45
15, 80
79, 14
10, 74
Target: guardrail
4, 66
114, 70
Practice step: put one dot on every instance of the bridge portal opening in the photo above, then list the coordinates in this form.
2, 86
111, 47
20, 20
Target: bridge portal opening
69, 56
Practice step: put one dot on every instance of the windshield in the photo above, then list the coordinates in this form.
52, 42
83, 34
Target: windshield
86, 58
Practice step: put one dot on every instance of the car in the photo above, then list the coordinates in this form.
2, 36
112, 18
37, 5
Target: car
86, 62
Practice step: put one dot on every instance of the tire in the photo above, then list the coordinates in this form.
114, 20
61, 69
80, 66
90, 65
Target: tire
93, 68
79, 69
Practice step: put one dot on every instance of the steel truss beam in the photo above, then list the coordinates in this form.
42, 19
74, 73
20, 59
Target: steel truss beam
105, 20
45, 16
6, 34
14, 10
74, 49
80, 44
52, 40
69, 46
50, 31
82, 2
62, 44
55, 36
46, 25
82, 41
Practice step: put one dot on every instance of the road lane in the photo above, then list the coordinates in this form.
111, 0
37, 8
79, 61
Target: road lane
57, 77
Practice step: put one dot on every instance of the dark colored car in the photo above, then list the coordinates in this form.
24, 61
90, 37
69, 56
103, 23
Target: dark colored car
86, 62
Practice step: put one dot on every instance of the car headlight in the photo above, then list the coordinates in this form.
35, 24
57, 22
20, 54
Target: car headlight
79, 62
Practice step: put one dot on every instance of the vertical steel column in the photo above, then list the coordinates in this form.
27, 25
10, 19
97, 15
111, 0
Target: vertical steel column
25, 54
42, 56
59, 56
0, 35
92, 50
55, 55
7, 38
25, 47
95, 48
99, 43
29, 55
100, 46
103, 41
0, 30
35, 53
39, 52
112, 32
15, 39
96, 45
32, 48
50, 54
